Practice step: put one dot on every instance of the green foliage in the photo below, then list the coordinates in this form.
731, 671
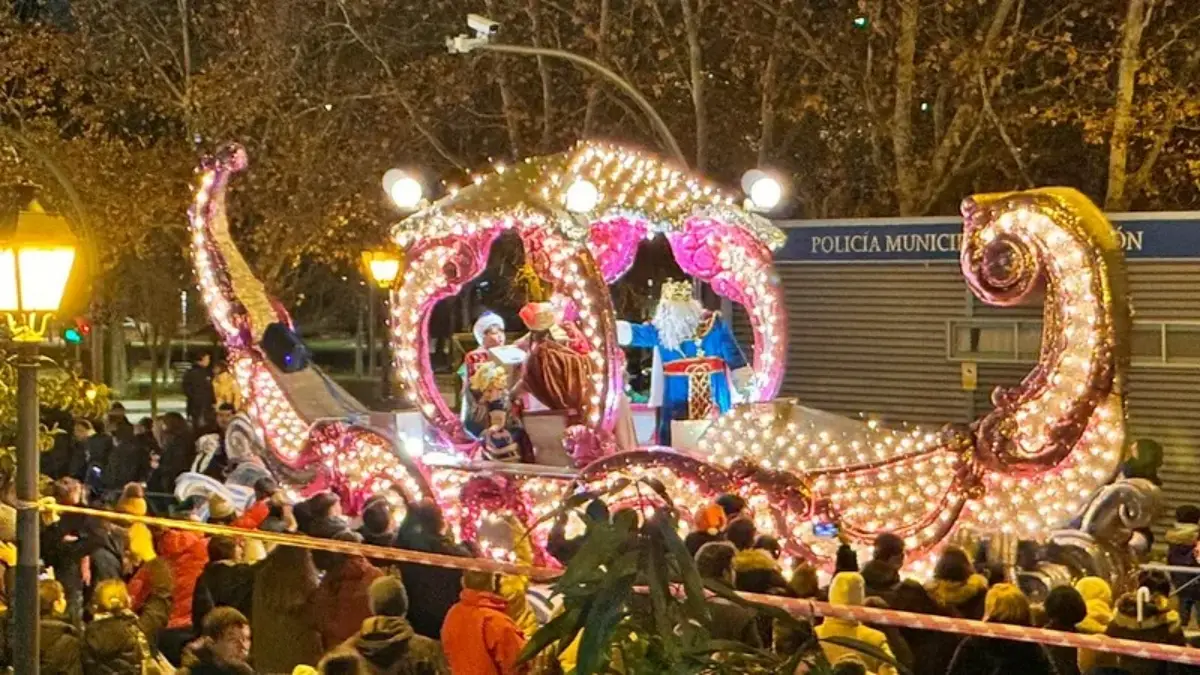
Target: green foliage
634, 602
58, 389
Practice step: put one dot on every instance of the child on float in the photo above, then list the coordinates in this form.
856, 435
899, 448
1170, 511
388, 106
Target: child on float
499, 439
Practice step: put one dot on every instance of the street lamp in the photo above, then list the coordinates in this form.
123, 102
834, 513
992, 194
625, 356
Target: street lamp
36, 255
763, 190
384, 267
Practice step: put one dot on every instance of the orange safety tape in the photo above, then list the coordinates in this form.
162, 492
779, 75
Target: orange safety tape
890, 617
314, 543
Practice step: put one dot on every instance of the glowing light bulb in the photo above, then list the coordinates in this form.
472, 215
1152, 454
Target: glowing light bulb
581, 197
403, 189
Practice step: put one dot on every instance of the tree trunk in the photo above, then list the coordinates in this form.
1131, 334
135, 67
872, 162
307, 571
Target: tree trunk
116, 357
508, 102
534, 10
906, 51
1137, 14
358, 346
766, 115
152, 346
691, 23
593, 94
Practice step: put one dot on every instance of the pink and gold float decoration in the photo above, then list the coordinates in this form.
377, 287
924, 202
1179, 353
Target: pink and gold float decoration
1028, 467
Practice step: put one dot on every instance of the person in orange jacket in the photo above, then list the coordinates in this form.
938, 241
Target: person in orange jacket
479, 637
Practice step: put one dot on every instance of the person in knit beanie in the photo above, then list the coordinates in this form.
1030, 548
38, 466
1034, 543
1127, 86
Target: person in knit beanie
849, 589
387, 641
707, 526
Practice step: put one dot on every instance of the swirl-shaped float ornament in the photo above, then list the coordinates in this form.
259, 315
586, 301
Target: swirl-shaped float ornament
308, 438
1027, 467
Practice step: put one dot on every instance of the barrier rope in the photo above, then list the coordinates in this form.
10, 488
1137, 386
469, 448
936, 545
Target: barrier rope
316, 544
797, 607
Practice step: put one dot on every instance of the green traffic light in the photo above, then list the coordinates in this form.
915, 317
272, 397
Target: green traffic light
72, 336
861, 22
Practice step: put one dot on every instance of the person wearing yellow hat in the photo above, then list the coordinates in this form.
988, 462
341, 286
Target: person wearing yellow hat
849, 589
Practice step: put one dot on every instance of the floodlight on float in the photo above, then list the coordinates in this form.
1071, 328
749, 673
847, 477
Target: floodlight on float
582, 197
405, 190
763, 189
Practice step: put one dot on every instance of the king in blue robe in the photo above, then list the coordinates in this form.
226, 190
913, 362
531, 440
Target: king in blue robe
691, 380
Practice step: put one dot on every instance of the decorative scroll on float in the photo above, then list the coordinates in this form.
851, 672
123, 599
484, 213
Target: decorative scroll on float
1027, 467
313, 453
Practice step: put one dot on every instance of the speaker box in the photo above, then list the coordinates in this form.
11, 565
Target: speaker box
284, 348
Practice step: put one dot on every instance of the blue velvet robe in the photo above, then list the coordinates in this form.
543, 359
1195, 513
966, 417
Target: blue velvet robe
716, 342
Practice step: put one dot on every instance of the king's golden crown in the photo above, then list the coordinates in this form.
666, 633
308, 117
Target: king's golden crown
676, 290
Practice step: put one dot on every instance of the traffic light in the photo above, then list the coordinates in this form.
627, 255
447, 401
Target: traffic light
74, 335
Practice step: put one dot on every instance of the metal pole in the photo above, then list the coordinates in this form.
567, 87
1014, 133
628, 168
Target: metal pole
386, 374
664, 132
371, 328
25, 595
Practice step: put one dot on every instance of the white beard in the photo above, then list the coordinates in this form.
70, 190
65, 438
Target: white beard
677, 321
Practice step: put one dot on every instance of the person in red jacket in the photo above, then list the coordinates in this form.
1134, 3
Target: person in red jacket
343, 600
186, 554
479, 637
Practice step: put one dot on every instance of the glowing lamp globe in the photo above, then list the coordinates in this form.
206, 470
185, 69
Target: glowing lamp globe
36, 255
763, 189
582, 197
383, 266
404, 190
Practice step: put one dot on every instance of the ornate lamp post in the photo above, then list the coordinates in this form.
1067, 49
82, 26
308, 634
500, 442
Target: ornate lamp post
384, 267
36, 255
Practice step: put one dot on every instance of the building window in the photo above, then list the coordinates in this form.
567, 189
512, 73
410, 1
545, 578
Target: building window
1154, 344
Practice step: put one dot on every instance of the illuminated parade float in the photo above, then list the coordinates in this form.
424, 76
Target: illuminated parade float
1044, 459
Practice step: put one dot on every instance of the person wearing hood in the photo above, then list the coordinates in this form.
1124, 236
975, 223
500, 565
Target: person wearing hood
223, 647
882, 571
1181, 551
479, 637
342, 600
1149, 619
225, 581
424, 529
1097, 598
849, 589
59, 644
119, 641
387, 644
1006, 604
932, 649
286, 630
956, 587
707, 526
